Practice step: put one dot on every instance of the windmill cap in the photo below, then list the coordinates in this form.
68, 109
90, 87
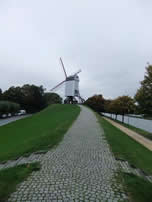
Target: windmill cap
73, 77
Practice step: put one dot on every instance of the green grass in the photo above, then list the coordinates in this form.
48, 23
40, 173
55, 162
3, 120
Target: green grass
40, 131
126, 148
11, 177
139, 189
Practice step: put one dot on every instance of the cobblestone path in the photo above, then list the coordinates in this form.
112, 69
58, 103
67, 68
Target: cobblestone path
80, 168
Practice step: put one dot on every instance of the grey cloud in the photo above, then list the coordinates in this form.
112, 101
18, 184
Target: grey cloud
109, 40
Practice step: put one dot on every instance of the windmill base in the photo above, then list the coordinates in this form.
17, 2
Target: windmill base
70, 100
73, 100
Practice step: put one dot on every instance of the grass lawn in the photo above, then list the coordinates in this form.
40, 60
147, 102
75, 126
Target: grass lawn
139, 189
126, 148
40, 131
9, 178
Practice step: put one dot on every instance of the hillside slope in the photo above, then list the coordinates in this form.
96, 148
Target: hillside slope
40, 131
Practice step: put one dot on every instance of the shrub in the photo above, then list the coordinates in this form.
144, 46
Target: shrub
8, 107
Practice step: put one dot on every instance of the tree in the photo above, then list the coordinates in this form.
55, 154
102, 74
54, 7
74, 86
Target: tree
96, 102
33, 98
107, 106
123, 105
111, 106
143, 96
1, 94
52, 98
30, 97
13, 108
14, 94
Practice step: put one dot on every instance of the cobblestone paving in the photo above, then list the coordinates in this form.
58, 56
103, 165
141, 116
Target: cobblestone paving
80, 168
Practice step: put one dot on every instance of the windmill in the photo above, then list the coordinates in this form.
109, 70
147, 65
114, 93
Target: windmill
71, 87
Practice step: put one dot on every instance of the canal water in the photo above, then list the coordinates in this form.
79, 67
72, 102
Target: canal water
137, 122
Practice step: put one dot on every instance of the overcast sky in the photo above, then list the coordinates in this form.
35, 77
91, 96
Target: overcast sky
111, 41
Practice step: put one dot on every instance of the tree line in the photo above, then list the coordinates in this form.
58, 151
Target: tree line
31, 98
140, 104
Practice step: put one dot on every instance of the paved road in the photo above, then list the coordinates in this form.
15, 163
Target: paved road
11, 119
80, 168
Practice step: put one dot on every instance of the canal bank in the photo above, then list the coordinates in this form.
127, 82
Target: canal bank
137, 137
141, 123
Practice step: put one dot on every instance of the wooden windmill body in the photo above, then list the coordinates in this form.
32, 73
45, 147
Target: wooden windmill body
72, 93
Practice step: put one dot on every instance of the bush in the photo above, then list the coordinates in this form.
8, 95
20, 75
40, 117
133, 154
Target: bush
8, 107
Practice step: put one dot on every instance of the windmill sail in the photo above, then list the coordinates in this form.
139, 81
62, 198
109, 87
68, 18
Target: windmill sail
63, 67
57, 85
77, 72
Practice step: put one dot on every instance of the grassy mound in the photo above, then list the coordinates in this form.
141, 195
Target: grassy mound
11, 177
40, 131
